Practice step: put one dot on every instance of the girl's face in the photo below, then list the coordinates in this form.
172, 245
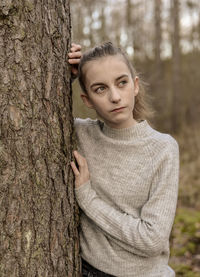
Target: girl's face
111, 90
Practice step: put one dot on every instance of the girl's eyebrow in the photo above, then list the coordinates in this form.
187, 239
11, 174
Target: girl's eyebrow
97, 84
100, 84
122, 76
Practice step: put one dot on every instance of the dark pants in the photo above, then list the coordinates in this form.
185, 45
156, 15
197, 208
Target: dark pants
90, 271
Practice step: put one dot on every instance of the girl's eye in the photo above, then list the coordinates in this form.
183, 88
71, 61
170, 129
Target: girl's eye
99, 89
122, 83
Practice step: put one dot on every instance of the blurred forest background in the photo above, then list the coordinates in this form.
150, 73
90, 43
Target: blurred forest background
162, 38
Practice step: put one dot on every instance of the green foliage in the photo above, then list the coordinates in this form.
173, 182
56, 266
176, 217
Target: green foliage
186, 232
185, 271
185, 243
185, 238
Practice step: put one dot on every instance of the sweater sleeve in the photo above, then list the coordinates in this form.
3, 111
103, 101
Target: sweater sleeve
147, 234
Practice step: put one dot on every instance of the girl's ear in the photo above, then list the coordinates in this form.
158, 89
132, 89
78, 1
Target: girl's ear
136, 85
86, 101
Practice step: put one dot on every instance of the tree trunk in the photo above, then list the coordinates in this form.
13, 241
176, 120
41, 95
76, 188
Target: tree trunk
38, 211
176, 67
158, 39
157, 76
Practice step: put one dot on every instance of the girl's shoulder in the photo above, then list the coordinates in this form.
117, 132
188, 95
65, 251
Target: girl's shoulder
164, 142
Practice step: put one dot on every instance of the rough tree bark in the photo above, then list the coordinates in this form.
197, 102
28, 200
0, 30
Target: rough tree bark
38, 212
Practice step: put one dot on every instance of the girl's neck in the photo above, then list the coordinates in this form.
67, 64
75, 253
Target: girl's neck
138, 130
124, 125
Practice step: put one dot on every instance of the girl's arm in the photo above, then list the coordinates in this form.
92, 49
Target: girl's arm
148, 234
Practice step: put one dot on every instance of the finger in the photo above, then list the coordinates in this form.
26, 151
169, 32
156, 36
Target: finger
76, 47
74, 168
82, 163
80, 159
75, 54
77, 154
77, 157
74, 61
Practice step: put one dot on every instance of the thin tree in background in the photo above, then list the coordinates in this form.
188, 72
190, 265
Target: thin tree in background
38, 223
199, 23
129, 21
176, 66
157, 76
137, 29
158, 39
103, 31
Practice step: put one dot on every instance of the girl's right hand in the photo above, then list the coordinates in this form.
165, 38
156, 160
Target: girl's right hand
80, 170
74, 57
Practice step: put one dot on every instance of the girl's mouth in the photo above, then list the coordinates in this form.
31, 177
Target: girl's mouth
118, 109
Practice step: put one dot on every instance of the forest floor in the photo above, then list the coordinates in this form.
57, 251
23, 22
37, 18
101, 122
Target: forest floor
185, 237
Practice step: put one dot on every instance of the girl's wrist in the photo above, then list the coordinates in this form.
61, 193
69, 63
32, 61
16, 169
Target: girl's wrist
77, 186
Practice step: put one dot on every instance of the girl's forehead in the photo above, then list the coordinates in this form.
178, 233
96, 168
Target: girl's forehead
109, 58
106, 65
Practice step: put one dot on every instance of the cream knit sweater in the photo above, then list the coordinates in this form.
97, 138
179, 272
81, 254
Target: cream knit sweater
128, 206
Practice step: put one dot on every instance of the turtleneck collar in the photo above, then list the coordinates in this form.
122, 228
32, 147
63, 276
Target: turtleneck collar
138, 130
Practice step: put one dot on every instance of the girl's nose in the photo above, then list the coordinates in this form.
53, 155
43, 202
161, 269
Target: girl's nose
114, 95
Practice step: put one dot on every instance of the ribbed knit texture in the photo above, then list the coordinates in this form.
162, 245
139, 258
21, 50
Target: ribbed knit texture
128, 206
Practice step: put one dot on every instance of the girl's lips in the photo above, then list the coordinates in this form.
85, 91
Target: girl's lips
119, 109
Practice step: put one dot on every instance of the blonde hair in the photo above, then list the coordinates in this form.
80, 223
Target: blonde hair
142, 109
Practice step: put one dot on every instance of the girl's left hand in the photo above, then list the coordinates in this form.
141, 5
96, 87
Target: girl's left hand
82, 174
74, 57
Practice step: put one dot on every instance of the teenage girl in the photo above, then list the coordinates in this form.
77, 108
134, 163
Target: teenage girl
126, 181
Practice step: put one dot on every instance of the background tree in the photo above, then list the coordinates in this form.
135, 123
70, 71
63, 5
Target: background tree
176, 66
38, 222
157, 39
157, 74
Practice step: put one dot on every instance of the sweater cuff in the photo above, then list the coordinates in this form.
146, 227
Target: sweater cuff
82, 193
